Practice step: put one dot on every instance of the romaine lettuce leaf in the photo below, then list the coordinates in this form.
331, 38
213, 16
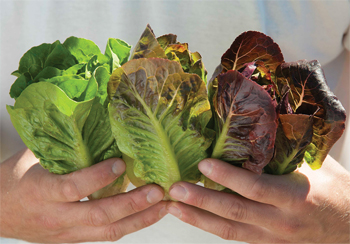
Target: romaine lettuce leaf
50, 124
159, 116
309, 95
245, 122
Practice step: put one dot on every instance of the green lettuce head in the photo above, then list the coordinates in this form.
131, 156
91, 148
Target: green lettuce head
61, 103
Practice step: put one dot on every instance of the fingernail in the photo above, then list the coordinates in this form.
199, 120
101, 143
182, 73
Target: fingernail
118, 167
162, 212
205, 167
175, 211
178, 192
154, 195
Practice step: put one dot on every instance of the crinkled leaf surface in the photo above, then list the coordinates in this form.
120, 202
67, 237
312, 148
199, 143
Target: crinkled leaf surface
50, 124
308, 94
166, 40
97, 131
159, 115
82, 49
249, 47
38, 58
167, 46
294, 134
245, 122
148, 46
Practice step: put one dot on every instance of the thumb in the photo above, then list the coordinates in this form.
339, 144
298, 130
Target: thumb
79, 184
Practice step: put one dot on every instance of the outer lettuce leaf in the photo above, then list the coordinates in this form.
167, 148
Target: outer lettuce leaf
97, 131
245, 122
310, 95
166, 46
294, 134
50, 124
159, 115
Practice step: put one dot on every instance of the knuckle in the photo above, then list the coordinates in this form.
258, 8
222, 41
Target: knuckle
259, 190
192, 221
97, 216
148, 221
70, 190
236, 211
227, 232
64, 237
202, 200
132, 206
113, 233
290, 227
48, 223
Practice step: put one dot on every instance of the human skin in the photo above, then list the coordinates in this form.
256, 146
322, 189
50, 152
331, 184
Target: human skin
39, 206
306, 206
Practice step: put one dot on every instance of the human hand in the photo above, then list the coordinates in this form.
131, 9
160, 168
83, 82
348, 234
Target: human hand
38, 206
305, 206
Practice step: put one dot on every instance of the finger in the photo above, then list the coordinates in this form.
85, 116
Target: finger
79, 184
116, 230
224, 228
226, 205
108, 210
272, 189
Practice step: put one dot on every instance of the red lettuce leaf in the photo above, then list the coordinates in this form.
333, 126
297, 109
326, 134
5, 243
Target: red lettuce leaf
309, 94
294, 134
245, 121
252, 46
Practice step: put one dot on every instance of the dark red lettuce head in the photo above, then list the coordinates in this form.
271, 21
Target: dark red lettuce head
310, 118
241, 93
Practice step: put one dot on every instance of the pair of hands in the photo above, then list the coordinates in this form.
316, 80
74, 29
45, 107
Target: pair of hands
305, 206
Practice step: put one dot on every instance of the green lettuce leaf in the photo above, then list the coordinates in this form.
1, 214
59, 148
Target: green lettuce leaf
76, 56
38, 58
82, 49
50, 124
159, 116
118, 52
